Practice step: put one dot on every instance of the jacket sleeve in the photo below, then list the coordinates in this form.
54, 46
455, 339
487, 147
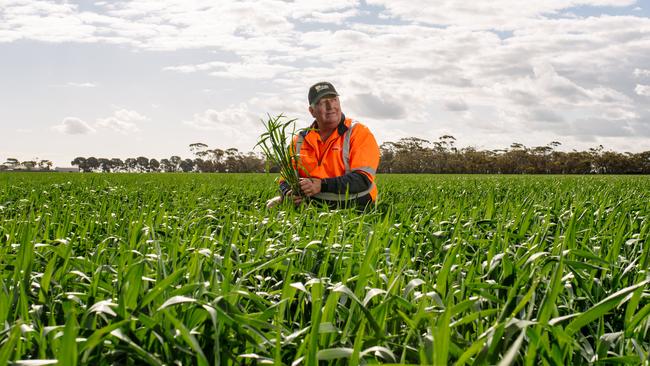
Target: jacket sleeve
284, 187
353, 182
364, 152
364, 159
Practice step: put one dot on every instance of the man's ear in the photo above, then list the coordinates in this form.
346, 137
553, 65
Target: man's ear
311, 110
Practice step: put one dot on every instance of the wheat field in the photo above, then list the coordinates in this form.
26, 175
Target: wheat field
183, 269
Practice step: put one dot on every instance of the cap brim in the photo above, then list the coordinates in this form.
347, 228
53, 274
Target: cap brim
320, 96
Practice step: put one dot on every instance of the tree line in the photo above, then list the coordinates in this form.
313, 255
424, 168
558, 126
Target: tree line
415, 155
205, 161
36, 164
407, 155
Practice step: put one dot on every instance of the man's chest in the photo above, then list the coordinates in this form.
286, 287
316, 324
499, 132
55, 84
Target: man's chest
322, 153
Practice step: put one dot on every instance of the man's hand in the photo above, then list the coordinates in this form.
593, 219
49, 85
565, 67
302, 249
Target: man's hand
274, 201
310, 186
297, 199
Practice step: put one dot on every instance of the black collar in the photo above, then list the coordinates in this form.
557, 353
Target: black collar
342, 127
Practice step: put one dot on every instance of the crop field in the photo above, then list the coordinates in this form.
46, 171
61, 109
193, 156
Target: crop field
192, 269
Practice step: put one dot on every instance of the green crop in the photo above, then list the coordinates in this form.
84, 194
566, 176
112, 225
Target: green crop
277, 146
100, 269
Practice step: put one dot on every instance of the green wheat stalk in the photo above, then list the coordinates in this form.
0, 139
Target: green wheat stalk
277, 145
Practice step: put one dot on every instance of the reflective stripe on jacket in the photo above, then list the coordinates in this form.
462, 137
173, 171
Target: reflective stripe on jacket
350, 148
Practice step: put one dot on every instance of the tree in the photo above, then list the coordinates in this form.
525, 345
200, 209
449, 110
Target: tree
233, 161
643, 162
12, 163
175, 162
165, 165
29, 164
130, 164
447, 141
203, 166
387, 151
252, 163
117, 165
217, 156
92, 163
186, 165
80, 162
198, 148
154, 165
104, 165
45, 164
142, 163
412, 155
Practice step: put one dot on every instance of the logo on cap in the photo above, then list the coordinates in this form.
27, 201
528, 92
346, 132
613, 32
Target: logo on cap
321, 87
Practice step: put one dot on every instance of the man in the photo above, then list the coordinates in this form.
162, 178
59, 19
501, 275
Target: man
338, 157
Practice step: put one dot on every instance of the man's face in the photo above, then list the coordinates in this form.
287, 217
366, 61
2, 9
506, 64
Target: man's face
327, 111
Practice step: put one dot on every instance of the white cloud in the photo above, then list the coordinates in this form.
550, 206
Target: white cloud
455, 104
238, 26
641, 72
547, 85
43, 20
81, 85
545, 115
643, 90
235, 126
231, 118
334, 17
377, 106
245, 70
416, 73
123, 121
600, 127
501, 14
74, 126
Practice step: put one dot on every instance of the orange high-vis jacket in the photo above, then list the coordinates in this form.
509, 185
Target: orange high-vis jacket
350, 148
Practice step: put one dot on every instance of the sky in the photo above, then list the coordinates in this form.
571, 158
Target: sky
149, 77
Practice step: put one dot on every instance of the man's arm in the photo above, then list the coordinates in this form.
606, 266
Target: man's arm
353, 182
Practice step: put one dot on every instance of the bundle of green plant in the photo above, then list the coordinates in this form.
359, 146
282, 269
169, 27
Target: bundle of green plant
276, 144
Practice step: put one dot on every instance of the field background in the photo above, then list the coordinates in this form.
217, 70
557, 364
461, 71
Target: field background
191, 268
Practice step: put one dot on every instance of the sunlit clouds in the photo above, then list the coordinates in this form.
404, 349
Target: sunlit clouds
488, 73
